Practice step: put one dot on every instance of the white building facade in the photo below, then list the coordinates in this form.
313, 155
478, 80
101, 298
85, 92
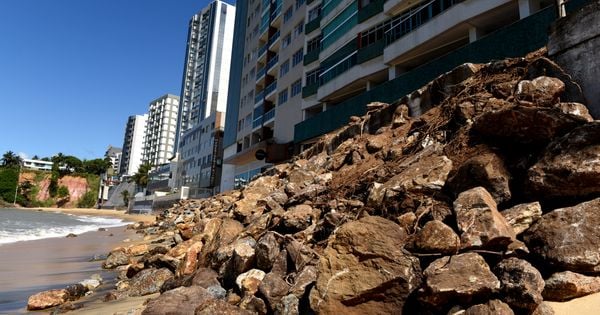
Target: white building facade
161, 126
133, 144
204, 95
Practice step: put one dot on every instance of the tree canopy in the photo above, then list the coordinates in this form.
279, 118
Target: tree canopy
141, 177
11, 159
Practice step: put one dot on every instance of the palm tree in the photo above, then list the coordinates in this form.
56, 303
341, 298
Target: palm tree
11, 159
125, 195
141, 177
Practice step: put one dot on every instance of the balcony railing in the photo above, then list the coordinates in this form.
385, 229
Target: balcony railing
269, 115
257, 122
262, 50
311, 56
310, 89
259, 97
261, 72
272, 62
270, 88
370, 10
273, 38
312, 25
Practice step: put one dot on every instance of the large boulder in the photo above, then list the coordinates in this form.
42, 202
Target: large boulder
437, 237
492, 307
190, 260
273, 288
149, 281
461, 278
479, 221
365, 270
525, 125
267, 249
299, 218
567, 285
568, 238
486, 170
47, 299
182, 300
541, 91
570, 166
521, 285
116, 258
424, 172
522, 216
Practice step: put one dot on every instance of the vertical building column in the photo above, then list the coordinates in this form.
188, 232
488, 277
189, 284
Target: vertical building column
474, 33
528, 7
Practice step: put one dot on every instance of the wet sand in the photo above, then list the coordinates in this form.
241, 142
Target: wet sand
33, 266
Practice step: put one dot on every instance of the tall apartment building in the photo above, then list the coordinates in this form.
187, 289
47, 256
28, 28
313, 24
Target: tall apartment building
265, 88
115, 156
204, 98
161, 126
133, 144
358, 51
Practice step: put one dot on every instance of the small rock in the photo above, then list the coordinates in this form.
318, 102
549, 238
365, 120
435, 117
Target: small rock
102, 229
90, 284
71, 235
149, 281
254, 305
459, 278
479, 221
267, 250
47, 299
567, 285
542, 91
249, 281
492, 307
521, 285
218, 307
116, 258
522, 216
437, 237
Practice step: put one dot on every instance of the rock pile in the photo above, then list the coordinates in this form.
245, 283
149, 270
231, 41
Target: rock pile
484, 204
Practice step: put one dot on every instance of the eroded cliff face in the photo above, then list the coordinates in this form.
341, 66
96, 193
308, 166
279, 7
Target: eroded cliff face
462, 208
77, 186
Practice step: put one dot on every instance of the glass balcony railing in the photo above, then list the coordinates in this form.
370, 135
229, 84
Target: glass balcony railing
312, 25
269, 115
257, 122
270, 88
311, 56
273, 38
262, 50
272, 62
261, 72
259, 97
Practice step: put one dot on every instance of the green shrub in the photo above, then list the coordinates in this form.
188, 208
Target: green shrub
8, 183
62, 192
88, 200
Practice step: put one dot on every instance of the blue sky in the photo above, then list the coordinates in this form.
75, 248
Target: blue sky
72, 71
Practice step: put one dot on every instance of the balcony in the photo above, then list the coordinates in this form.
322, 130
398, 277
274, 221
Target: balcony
370, 10
260, 73
271, 64
262, 50
268, 116
257, 122
273, 39
312, 25
311, 56
329, 5
276, 15
309, 90
270, 89
259, 97
369, 52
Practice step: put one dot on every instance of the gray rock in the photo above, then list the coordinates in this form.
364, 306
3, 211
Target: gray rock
522, 216
567, 285
521, 285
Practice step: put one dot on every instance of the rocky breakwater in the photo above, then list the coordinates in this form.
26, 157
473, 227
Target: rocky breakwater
487, 203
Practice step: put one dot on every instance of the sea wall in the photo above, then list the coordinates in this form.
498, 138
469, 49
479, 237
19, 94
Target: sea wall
574, 43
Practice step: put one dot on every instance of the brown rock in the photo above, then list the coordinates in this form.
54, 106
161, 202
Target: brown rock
570, 166
479, 221
568, 237
190, 260
116, 258
521, 285
267, 250
376, 143
347, 281
299, 218
521, 217
248, 282
567, 285
492, 307
306, 277
136, 250
182, 300
459, 278
575, 109
424, 172
525, 125
218, 307
149, 281
543, 309
289, 305
244, 255
254, 305
47, 299
542, 91
205, 277
437, 237
486, 170
273, 288
218, 233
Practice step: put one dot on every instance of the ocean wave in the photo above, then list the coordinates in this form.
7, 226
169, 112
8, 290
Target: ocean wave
88, 224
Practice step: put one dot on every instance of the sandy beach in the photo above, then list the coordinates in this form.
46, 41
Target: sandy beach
32, 266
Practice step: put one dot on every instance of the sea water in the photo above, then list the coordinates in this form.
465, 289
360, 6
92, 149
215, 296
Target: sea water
26, 225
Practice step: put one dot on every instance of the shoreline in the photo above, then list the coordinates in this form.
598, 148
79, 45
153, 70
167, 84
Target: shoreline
133, 218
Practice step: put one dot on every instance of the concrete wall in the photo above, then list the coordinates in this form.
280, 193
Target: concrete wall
574, 44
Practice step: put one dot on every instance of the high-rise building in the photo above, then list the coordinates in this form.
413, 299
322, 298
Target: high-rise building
204, 98
114, 155
161, 126
133, 144
265, 89
359, 51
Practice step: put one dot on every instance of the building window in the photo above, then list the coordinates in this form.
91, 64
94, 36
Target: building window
313, 77
299, 29
313, 44
314, 13
286, 41
296, 88
284, 68
288, 14
299, 3
297, 58
283, 97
